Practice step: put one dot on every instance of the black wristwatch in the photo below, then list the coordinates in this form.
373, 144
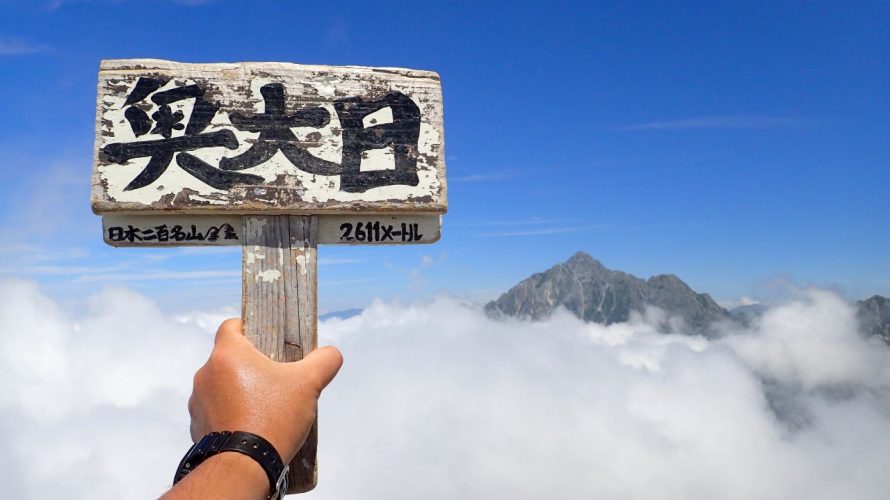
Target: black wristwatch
246, 443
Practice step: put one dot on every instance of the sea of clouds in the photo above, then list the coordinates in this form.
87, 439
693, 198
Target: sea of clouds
436, 401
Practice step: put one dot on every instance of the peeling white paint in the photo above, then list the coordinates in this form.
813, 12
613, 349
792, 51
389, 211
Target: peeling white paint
378, 159
379, 117
301, 263
269, 276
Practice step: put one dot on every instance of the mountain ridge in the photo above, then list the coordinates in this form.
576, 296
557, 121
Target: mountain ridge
593, 292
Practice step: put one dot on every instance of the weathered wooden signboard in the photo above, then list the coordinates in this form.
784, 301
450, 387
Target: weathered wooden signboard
277, 158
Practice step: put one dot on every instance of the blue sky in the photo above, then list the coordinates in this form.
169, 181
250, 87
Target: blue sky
737, 146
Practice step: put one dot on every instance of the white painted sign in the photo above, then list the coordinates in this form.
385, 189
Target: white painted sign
216, 230
267, 138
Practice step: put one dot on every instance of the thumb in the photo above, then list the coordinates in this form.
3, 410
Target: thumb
321, 366
231, 330
230, 337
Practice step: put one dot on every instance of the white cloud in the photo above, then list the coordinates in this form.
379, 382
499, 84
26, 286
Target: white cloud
208, 320
499, 175
64, 186
18, 47
158, 275
809, 343
720, 122
534, 221
437, 401
333, 261
486, 177
545, 231
82, 393
532, 227
740, 302
748, 301
27, 253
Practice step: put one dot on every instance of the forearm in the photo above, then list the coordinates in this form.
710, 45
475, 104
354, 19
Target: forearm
228, 476
240, 389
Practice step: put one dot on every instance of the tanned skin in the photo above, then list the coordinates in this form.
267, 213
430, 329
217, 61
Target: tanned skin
240, 389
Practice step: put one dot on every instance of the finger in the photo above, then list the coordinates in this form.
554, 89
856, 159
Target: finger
230, 330
194, 431
322, 366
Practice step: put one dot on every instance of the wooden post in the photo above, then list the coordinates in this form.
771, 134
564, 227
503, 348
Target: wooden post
279, 284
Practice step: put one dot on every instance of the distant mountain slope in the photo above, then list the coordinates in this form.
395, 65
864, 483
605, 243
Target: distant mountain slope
748, 313
595, 293
344, 314
874, 316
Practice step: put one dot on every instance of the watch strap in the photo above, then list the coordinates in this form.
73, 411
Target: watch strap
245, 443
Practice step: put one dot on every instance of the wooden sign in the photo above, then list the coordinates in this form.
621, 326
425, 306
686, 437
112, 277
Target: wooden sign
277, 158
267, 137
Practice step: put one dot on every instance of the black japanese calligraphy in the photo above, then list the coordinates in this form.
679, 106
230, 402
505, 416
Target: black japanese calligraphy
401, 134
161, 151
175, 233
274, 126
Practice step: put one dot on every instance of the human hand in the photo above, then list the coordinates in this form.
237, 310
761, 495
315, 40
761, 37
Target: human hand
240, 389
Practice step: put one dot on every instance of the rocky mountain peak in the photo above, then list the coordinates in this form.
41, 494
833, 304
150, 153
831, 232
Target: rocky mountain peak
667, 281
583, 259
587, 288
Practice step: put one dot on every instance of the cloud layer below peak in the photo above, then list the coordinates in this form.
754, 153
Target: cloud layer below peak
437, 401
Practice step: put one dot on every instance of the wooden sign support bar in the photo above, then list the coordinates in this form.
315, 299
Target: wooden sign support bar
280, 283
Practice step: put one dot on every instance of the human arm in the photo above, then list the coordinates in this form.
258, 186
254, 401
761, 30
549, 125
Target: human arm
239, 389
